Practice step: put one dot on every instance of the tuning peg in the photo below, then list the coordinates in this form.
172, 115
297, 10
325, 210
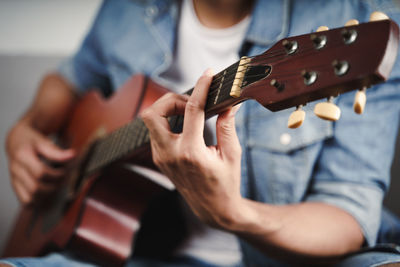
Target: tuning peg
322, 28
296, 118
351, 22
327, 110
359, 101
377, 15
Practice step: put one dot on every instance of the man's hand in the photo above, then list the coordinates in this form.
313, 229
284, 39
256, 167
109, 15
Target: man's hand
28, 148
209, 180
28, 151
207, 177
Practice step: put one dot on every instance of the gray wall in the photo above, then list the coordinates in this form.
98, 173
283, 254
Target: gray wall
19, 77
34, 37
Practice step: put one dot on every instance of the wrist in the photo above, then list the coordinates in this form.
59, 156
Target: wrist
236, 216
29, 120
248, 217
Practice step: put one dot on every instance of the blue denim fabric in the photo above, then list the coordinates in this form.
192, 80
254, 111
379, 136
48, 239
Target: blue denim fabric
67, 260
370, 259
51, 260
389, 231
345, 163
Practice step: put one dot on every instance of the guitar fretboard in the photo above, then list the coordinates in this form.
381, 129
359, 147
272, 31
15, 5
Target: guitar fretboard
122, 142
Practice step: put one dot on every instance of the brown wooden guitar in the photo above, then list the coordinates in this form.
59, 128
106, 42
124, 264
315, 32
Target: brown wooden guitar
98, 210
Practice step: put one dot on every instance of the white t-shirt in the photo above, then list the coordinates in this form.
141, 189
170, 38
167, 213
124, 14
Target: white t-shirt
199, 48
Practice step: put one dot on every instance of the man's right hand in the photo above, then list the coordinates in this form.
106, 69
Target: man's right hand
28, 151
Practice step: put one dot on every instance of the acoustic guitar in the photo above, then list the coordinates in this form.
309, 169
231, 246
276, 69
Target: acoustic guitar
99, 208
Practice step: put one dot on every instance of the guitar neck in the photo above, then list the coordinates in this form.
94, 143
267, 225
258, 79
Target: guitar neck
134, 135
293, 72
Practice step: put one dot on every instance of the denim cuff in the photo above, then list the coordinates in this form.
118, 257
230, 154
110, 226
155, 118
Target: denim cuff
360, 201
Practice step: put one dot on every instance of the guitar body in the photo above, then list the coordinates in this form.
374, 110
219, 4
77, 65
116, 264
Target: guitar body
102, 219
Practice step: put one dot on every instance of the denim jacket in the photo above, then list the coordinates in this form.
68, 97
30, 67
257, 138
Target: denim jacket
344, 163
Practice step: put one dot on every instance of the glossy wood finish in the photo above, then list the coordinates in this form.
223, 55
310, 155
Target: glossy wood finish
104, 216
371, 57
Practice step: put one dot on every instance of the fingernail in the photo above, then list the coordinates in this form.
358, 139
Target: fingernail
208, 72
235, 109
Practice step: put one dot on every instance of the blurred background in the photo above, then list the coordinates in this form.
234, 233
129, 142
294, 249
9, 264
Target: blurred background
35, 36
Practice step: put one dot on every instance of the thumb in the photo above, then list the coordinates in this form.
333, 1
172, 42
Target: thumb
46, 148
228, 142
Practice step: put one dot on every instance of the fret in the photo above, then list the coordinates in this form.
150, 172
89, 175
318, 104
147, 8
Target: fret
126, 139
117, 145
113, 147
221, 82
140, 139
133, 134
221, 86
97, 154
110, 147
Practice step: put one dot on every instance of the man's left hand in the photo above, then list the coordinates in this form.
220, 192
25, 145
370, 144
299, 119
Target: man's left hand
208, 177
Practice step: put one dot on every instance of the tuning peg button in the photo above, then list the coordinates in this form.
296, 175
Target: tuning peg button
377, 15
296, 119
359, 101
322, 28
327, 111
351, 22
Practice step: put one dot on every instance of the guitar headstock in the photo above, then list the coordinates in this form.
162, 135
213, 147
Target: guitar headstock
323, 64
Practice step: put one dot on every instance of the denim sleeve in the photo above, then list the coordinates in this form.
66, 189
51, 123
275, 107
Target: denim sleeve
353, 169
88, 67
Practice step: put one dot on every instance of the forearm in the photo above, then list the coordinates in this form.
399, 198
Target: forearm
28, 147
208, 178
52, 104
304, 232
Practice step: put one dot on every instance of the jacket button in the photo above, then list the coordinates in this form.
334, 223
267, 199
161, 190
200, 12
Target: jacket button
285, 139
151, 11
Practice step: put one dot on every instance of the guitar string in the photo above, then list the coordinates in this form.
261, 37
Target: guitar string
303, 53
229, 71
268, 55
283, 73
303, 49
117, 134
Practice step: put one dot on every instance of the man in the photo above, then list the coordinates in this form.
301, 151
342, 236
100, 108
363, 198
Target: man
307, 196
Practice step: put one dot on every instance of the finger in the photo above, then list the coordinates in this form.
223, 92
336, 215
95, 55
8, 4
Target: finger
37, 168
22, 194
193, 124
32, 185
19, 173
156, 116
52, 152
227, 139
